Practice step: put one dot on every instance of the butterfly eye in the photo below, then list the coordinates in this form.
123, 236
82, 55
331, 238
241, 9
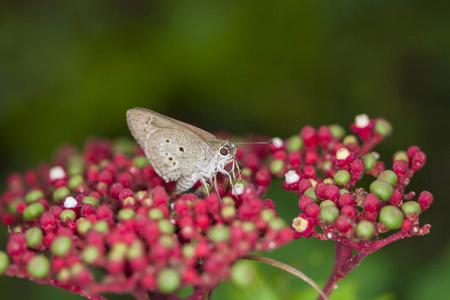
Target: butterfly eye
224, 151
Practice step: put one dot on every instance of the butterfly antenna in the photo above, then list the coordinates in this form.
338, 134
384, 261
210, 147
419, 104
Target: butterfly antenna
255, 143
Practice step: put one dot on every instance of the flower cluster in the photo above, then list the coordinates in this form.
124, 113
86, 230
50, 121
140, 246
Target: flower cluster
105, 211
332, 207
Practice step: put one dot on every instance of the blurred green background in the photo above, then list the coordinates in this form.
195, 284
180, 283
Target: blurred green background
70, 70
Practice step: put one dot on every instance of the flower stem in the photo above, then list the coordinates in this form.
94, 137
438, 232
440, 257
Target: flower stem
287, 268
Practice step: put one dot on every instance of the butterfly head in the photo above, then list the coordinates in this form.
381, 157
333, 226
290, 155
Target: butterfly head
227, 150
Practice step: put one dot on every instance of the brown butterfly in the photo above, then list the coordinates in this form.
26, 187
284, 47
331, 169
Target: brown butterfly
181, 152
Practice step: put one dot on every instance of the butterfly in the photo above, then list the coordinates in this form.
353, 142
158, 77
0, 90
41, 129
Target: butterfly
181, 152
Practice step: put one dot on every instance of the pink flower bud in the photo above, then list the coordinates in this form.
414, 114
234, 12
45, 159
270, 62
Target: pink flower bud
349, 211
331, 192
311, 157
425, 200
160, 195
309, 137
418, 161
346, 199
304, 202
371, 203
412, 150
294, 160
343, 224
262, 177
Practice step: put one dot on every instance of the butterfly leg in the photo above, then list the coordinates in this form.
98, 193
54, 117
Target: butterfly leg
205, 184
236, 163
225, 172
214, 185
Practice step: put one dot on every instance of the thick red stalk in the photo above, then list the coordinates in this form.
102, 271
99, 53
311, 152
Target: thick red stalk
344, 262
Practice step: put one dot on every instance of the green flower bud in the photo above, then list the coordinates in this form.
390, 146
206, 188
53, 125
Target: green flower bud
38, 267
243, 273
350, 140
276, 166
337, 131
228, 201
4, 262
365, 229
75, 165
33, 196
228, 212
327, 165
90, 254
219, 233
61, 193
135, 250
294, 143
33, 236
67, 215
126, 214
311, 192
12, 207
155, 214
63, 275
401, 155
124, 145
388, 176
168, 280
267, 215
165, 226
140, 161
75, 181
101, 226
327, 203
411, 207
91, 200
167, 241
33, 211
382, 189
188, 250
248, 226
128, 201
83, 225
369, 161
383, 127
328, 181
61, 245
391, 217
277, 224
341, 177
329, 213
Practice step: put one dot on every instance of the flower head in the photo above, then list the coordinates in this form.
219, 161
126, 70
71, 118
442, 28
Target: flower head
105, 208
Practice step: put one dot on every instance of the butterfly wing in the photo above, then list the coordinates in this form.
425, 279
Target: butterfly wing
142, 114
172, 147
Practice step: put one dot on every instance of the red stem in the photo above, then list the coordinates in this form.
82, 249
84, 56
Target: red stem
344, 262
